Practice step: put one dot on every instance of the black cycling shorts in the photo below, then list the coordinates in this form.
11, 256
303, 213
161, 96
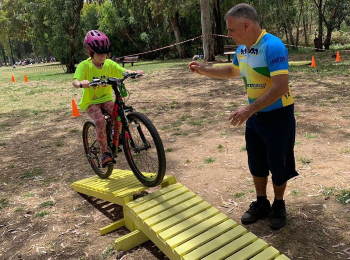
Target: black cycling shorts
270, 138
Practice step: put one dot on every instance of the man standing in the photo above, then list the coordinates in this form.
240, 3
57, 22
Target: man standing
262, 61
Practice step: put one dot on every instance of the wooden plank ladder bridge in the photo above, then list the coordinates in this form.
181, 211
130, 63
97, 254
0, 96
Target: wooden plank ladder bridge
176, 220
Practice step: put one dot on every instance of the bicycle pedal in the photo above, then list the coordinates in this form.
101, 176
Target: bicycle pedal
108, 164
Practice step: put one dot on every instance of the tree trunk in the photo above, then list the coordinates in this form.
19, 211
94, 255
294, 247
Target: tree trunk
174, 21
318, 42
207, 29
327, 41
306, 40
218, 41
3, 53
72, 32
301, 3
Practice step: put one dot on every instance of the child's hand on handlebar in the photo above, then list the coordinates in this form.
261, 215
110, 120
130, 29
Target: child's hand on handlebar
84, 83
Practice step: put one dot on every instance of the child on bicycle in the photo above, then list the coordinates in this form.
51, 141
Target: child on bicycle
94, 100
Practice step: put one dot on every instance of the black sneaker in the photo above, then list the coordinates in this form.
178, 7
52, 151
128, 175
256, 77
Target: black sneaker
278, 215
257, 210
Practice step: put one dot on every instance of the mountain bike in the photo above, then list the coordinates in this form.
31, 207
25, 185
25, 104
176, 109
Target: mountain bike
130, 131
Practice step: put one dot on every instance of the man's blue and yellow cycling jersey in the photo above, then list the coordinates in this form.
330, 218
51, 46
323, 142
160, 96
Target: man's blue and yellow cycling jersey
266, 58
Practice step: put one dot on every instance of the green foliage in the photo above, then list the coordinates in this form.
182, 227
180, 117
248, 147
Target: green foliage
57, 28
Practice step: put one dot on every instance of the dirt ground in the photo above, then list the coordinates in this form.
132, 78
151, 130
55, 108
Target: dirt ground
41, 155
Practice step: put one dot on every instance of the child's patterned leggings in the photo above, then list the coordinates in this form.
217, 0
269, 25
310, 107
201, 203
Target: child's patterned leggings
95, 112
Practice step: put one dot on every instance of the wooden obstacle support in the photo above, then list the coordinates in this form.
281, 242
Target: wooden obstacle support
179, 222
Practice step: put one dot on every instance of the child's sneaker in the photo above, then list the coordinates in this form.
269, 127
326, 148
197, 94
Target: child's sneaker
106, 159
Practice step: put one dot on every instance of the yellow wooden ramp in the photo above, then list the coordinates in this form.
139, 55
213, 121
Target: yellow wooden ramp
179, 222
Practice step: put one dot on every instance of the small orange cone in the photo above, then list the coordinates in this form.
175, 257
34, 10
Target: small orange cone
337, 57
313, 62
13, 78
26, 78
75, 110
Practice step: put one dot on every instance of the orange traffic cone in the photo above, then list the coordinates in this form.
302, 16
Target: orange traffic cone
75, 110
26, 78
337, 57
13, 78
313, 62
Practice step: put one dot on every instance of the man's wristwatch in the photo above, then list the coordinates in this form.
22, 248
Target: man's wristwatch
80, 85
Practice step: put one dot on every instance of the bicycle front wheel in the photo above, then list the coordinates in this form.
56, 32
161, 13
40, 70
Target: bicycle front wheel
144, 150
93, 151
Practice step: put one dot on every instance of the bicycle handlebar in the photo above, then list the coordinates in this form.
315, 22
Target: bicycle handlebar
114, 81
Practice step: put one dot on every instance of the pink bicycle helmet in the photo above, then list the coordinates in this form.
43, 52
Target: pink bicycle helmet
97, 41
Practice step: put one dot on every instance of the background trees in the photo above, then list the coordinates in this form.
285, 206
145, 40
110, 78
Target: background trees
43, 28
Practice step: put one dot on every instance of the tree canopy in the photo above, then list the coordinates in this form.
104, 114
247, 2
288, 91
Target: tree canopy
45, 28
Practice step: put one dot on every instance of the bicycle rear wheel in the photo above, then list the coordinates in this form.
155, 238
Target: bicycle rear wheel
144, 150
93, 151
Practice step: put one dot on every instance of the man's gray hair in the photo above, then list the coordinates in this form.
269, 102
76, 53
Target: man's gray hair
243, 10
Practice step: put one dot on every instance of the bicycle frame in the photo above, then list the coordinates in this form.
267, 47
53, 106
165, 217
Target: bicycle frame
118, 111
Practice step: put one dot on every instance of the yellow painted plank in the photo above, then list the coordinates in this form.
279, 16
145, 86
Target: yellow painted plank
188, 223
249, 251
181, 217
97, 194
130, 240
112, 227
166, 205
268, 254
179, 212
216, 243
129, 190
148, 197
168, 181
161, 199
196, 230
205, 237
282, 257
139, 224
232, 247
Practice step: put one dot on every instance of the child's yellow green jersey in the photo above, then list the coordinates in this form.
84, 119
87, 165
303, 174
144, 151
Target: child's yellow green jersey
86, 70
266, 58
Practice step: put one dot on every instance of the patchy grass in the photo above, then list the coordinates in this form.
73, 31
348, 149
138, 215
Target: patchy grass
168, 150
243, 148
343, 196
41, 214
109, 251
328, 191
220, 147
238, 195
4, 203
31, 174
310, 135
29, 195
295, 192
209, 160
305, 160
46, 204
